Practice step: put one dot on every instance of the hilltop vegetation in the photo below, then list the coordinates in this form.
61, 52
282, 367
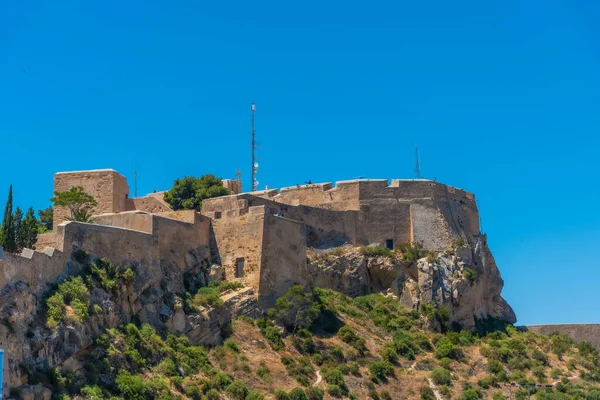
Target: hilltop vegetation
321, 344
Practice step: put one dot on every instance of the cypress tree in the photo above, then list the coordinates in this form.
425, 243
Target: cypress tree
17, 220
29, 228
7, 232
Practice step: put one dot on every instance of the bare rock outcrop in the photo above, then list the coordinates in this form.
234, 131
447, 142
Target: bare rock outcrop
466, 280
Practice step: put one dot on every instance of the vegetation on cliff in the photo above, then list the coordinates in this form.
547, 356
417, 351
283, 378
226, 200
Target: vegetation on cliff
320, 344
71, 301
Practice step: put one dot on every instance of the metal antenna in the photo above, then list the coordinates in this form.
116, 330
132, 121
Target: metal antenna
417, 165
135, 176
254, 159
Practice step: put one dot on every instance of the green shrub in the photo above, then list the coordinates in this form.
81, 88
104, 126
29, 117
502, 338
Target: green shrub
221, 381
409, 253
427, 393
334, 377
110, 277
348, 335
385, 395
540, 357
207, 297
448, 350
470, 274
297, 394
445, 391
317, 359
314, 393
555, 373
92, 393
298, 308
470, 394
495, 367
380, 370
445, 363
131, 386
460, 242
388, 353
231, 345
281, 395
539, 373
488, 382
223, 286
274, 337
237, 390
337, 354
308, 346
300, 369
193, 392
72, 293
560, 344
422, 341
255, 396
213, 394
376, 251
263, 372
441, 376
335, 391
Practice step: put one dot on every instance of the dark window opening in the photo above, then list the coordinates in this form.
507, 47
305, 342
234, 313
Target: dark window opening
389, 243
217, 214
239, 268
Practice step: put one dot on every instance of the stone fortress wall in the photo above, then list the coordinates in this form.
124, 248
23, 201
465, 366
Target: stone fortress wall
577, 332
129, 237
258, 237
367, 211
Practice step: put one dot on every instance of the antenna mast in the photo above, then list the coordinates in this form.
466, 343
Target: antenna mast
135, 176
254, 159
417, 165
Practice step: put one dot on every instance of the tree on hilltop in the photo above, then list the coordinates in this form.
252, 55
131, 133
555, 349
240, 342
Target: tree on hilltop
7, 230
28, 231
46, 219
17, 218
79, 203
188, 193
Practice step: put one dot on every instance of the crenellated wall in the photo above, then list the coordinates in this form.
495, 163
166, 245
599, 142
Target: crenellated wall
122, 238
366, 211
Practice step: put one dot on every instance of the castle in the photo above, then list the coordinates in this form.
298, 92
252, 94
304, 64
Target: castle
259, 238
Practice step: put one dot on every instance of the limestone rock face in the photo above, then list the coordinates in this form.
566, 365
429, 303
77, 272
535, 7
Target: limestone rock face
465, 279
149, 299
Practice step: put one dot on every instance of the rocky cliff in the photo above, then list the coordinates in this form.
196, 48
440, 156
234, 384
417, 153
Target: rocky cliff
153, 295
465, 280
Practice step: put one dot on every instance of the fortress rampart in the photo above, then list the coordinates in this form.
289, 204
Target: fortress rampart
366, 211
577, 332
267, 252
130, 237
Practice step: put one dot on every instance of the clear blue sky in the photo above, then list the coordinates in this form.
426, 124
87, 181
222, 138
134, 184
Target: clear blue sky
502, 98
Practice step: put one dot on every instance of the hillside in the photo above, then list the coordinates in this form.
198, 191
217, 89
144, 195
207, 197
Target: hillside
322, 344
